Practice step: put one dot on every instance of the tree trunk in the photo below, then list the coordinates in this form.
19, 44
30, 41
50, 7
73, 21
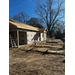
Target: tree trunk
48, 31
51, 34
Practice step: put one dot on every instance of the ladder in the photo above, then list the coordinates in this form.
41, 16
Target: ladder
12, 42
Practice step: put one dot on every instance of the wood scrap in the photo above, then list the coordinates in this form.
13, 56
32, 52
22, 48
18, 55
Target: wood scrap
29, 46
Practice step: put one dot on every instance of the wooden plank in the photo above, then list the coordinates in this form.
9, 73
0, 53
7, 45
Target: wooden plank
29, 45
52, 43
17, 38
47, 46
12, 28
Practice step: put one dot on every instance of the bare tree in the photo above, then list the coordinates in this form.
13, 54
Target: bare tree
34, 22
51, 12
64, 31
21, 17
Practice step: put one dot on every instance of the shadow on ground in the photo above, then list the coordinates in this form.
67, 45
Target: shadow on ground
51, 42
60, 49
63, 61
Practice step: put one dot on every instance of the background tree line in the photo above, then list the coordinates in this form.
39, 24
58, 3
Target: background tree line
24, 18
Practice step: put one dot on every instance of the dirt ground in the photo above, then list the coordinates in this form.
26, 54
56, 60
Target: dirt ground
34, 62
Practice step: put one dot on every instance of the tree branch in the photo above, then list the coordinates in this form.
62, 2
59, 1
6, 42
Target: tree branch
55, 22
41, 14
42, 7
57, 11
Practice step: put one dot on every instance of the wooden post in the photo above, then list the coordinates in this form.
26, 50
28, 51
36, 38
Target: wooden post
17, 38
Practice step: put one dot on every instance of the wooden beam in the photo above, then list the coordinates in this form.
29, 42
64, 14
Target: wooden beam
47, 46
30, 45
12, 28
52, 43
17, 38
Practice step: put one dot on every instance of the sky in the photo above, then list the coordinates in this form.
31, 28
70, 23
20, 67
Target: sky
16, 6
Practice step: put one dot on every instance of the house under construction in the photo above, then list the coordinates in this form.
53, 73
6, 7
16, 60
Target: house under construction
25, 34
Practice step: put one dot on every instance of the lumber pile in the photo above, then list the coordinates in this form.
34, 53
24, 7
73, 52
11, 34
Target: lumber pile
29, 46
46, 46
52, 43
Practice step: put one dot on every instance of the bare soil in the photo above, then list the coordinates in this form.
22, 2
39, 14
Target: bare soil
34, 62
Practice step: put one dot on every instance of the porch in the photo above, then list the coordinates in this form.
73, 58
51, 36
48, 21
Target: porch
20, 37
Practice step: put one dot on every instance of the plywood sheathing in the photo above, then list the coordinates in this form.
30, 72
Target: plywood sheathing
23, 26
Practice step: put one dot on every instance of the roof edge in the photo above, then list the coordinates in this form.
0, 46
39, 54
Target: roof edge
22, 23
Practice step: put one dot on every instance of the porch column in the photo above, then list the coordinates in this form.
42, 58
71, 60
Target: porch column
17, 38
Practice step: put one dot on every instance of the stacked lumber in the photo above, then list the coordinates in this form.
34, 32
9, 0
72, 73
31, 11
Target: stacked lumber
47, 46
29, 46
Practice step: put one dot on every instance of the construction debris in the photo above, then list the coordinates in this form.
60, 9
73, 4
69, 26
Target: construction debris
46, 47
37, 58
29, 46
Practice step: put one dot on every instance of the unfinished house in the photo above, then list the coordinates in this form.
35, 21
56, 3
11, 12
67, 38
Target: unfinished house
23, 34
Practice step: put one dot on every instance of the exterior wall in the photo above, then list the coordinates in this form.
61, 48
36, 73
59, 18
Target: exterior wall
45, 36
28, 36
42, 36
22, 38
32, 36
39, 38
11, 25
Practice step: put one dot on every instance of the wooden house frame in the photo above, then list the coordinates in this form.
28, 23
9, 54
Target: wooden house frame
26, 34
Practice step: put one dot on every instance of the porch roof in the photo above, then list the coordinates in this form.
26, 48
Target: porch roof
23, 26
42, 29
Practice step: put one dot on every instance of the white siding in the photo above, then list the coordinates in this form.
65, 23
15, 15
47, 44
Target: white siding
42, 36
45, 35
31, 37
34, 36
